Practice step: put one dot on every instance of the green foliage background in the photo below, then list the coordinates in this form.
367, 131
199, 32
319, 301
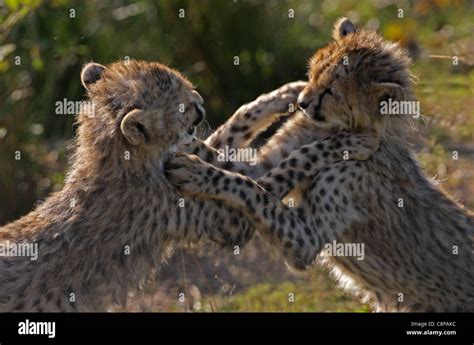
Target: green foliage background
44, 44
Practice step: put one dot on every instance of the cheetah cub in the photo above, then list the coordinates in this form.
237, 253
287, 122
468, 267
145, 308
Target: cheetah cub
417, 242
117, 217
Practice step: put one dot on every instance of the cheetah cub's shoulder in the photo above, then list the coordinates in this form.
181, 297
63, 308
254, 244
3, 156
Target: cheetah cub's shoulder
117, 216
417, 257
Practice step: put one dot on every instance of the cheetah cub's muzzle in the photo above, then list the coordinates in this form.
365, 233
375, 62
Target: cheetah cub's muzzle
201, 116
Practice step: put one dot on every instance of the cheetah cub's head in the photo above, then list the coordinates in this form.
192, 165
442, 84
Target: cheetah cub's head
144, 107
351, 76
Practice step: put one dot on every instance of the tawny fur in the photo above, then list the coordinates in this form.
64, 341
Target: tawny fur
115, 197
417, 257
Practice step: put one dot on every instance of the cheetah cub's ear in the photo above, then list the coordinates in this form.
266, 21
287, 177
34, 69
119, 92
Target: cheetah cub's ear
137, 125
384, 91
342, 28
91, 73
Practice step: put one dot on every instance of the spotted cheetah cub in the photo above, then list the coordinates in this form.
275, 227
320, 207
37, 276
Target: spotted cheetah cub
117, 217
417, 242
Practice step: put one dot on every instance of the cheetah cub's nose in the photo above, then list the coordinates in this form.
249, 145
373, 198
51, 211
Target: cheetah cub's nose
302, 101
303, 105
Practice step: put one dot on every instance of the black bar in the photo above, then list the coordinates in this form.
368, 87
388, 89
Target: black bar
240, 328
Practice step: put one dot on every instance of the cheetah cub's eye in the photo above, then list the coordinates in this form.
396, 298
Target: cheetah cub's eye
334, 93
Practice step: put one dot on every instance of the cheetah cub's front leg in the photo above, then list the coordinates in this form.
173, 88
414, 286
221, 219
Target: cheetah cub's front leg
253, 118
285, 227
245, 125
309, 159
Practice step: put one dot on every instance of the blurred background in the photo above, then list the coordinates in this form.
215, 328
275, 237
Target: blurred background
44, 44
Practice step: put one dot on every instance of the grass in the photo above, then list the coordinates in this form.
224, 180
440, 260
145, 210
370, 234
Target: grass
293, 297
317, 292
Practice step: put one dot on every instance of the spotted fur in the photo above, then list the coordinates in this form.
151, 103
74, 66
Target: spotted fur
417, 257
115, 197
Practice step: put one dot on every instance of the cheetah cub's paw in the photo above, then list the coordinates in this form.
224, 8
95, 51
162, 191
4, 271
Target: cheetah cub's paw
186, 173
190, 146
279, 100
294, 88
